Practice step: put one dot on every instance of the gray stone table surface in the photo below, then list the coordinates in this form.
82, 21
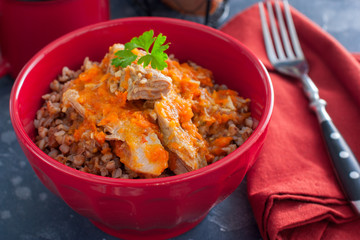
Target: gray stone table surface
29, 211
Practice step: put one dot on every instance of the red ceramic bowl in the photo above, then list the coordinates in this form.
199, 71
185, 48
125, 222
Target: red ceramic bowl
145, 208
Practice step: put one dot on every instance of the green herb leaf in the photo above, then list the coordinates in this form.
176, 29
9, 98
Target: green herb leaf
156, 57
124, 58
144, 41
158, 44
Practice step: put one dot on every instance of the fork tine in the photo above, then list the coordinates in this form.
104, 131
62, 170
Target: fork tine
292, 31
267, 37
274, 31
283, 31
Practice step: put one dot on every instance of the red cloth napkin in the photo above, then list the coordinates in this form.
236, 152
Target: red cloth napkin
291, 187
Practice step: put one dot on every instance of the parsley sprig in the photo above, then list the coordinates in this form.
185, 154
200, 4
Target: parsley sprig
156, 57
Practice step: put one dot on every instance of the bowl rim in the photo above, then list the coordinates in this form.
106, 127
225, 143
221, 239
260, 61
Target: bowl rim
31, 146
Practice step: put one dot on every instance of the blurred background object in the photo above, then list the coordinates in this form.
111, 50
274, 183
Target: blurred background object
212, 10
27, 26
208, 12
194, 7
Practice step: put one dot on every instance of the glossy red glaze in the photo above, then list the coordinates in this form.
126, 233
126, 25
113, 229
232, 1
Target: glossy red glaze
27, 26
145, 208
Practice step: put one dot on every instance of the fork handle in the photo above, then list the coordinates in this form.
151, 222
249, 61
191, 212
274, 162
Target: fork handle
345, 164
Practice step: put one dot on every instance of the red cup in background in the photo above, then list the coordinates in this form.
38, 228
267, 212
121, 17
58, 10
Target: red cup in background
27, 26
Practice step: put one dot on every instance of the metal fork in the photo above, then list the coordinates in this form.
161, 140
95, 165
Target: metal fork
286, 56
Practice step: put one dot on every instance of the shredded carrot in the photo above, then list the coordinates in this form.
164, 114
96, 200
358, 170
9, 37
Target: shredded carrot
135, 51
220, 143
148, 75
156, 153
125, 84
86, 125
100, 137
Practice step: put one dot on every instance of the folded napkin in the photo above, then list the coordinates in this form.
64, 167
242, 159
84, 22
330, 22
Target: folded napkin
292, 189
